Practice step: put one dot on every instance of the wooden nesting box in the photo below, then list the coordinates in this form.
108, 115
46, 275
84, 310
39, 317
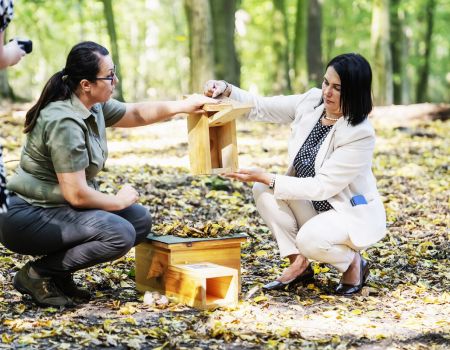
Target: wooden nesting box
201, 272
212, 137
202, 285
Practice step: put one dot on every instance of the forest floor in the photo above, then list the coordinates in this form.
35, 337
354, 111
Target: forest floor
405, 305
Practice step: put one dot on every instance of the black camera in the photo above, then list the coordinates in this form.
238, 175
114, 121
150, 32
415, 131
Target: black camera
25, 44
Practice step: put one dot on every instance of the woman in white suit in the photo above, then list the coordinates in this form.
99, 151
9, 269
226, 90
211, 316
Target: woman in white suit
326, 207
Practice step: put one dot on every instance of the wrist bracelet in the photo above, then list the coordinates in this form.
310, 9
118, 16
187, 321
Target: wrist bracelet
272, 182
226, 88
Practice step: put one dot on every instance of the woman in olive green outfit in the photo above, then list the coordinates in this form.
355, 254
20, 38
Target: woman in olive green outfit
58, 212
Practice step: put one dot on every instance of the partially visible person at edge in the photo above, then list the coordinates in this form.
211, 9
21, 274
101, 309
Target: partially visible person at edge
58, 213
309, 209
10, 54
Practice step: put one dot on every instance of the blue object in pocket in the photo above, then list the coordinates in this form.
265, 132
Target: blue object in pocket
358, 200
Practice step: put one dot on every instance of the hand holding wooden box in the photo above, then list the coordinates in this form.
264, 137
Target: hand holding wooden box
212, 137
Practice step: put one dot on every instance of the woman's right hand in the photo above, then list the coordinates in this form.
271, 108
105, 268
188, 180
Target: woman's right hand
127, 196
10, 54
215, 88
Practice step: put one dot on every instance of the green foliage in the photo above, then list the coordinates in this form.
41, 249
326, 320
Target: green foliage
153, 42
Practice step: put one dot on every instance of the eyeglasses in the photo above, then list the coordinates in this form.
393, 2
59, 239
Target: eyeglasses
111, 77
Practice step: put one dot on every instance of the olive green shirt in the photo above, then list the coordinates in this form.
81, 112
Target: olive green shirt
67, 138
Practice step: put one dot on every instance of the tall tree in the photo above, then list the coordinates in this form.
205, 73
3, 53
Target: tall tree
281, 80
396, 44
81, 20
109, 16
314, 45
424, 70
179, 30
201, 50
5, 89
227, 65
382, 59
299, 55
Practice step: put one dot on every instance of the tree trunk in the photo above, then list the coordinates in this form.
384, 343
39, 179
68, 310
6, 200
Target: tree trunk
281, 80
396, 49
406, 80
227, 66
178, 27
6, 92
396, 43
331, 28
397, 115
314, 45
81, 19
201, 49
299, 56
382, 60
109, 16
424, 71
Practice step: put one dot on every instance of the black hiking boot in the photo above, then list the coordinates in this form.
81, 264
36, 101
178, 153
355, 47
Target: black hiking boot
67, 285
43, 290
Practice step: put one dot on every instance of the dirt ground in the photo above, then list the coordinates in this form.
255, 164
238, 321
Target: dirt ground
405, 305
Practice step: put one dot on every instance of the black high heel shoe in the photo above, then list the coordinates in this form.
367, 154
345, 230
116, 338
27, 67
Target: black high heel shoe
305, 276
350, 289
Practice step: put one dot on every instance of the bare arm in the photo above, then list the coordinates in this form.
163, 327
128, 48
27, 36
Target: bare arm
144, 113
77, 192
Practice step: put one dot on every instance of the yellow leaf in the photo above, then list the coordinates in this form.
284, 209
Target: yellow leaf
20, 308
6, 338
316, 268
107, 325
284, 332
130, 320
336, 339
356, 312
380, 336
272, 343
430, 300
162, 346
260, 298
261, 253
127, 310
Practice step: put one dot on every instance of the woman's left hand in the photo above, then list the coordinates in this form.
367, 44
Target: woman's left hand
195, 102
250, 175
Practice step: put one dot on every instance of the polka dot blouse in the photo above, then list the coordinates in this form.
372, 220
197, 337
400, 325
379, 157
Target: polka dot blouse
306, 157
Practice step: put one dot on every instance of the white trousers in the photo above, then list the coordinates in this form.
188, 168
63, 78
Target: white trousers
299, 229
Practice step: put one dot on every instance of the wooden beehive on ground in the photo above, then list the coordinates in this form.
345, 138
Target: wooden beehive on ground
202, 285
200, 272
212, 137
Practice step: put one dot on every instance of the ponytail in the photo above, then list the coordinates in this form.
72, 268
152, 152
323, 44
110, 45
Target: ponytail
83, 62
56, 89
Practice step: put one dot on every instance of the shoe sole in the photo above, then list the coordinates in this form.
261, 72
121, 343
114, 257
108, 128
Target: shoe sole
291, 284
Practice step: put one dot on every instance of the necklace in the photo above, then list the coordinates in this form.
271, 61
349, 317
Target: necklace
324, 115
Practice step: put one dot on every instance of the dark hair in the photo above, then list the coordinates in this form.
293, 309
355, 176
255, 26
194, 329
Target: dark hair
83, 62
356, 86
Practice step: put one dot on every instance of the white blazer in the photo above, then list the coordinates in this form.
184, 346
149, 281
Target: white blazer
343, 162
